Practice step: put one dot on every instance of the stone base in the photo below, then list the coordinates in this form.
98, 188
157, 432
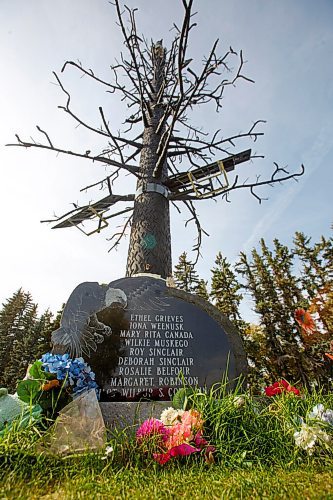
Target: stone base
123, 415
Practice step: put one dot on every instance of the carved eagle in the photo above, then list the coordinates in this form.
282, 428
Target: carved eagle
77, 333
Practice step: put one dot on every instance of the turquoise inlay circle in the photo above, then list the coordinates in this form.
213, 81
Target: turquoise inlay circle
149, 241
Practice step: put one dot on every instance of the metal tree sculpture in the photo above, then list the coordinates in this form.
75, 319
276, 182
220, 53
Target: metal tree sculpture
161, 88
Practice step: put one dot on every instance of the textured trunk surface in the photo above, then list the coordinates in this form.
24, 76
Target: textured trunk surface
150, 241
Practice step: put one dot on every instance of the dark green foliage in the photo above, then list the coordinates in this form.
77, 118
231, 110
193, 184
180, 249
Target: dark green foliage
201, 290
28, 390
225, 290
10, 325
317, 262
278, 288
21, 353
44, 326
34, 391
24, 337
36, 371
16, 323
186, 277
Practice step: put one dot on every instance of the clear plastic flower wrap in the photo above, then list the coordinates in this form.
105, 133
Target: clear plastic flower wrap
79, 428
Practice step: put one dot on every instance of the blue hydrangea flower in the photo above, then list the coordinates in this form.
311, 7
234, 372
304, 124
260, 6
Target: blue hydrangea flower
75, 372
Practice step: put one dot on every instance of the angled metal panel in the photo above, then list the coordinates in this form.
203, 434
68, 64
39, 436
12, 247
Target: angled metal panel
182, 181
92, 210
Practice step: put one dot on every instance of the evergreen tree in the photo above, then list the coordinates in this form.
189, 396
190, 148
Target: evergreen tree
277, 292
39, 342
225, 290
24, 336
256, 347
11, 325
186, 277
317, 262
287, 288
201, 290
260, 284
23, 331
317, 279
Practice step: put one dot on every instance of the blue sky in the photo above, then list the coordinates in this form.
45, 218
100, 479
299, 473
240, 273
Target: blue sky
288, 46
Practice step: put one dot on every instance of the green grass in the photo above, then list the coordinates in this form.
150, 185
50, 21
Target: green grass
259, 431
173, 482
255, 457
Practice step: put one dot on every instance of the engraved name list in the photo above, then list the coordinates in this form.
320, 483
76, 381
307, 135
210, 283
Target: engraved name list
156, 355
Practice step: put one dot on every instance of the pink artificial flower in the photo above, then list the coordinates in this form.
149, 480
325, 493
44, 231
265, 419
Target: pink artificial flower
192, 419
183, 450
180, 439
199, 440
280, 387
190, 424
152, 427
178, 433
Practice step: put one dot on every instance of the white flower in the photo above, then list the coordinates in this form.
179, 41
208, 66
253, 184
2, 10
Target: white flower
316, 411
170, 415
305, 438
251, 363
308, 436
108, 451
239, 401
319, 413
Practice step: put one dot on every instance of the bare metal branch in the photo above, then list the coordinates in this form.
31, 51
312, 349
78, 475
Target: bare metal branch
46, 135
247, 185
115, 88
200, 230
121, 234
130, 168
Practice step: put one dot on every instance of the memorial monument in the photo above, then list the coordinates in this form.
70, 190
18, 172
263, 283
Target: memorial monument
143, 338
148, 340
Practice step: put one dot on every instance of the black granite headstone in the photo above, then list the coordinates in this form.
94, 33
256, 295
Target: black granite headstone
162, 339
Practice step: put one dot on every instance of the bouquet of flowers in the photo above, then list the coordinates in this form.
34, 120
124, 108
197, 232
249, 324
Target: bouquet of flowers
56, 379
177, 433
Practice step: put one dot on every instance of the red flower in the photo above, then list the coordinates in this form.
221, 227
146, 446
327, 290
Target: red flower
280, 387
305, 320
182, 450
162, 458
